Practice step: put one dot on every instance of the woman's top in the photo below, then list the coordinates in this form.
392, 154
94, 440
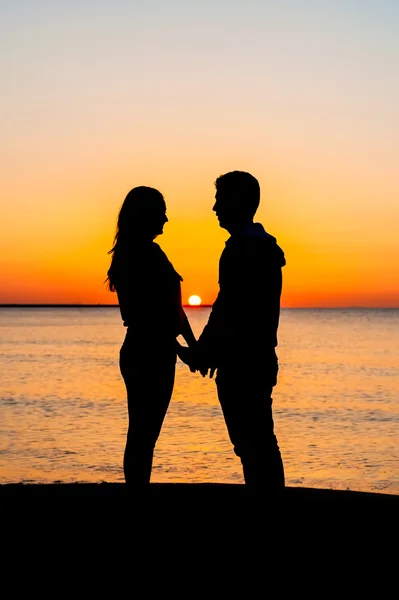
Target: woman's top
149, 295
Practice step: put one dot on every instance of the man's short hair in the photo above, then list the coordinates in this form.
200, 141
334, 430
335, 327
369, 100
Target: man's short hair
243, 189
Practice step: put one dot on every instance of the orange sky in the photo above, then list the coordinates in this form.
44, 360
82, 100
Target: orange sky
334, 258
99, 101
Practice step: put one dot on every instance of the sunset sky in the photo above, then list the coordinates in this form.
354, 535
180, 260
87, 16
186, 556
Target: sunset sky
98, 97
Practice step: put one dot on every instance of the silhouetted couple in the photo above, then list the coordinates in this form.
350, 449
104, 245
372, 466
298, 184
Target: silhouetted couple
238, 341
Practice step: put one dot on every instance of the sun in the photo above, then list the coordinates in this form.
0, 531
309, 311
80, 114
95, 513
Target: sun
194, 301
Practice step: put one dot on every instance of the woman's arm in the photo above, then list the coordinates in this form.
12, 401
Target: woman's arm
186, 331
185, 354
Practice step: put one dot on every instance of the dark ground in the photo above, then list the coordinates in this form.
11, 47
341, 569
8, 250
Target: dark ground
200, 535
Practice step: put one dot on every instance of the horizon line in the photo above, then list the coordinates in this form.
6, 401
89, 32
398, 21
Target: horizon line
74, 305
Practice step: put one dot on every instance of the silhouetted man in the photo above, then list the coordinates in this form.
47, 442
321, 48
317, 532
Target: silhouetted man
240, 337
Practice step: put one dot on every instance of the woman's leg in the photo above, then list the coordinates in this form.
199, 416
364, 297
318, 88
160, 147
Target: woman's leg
149, 390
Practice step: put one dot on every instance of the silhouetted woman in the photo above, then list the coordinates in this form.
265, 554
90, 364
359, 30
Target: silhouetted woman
149, 295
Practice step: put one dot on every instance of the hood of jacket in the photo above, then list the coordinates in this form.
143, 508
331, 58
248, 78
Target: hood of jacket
258, 231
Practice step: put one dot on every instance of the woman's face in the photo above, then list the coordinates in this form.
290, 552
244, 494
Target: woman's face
159, 218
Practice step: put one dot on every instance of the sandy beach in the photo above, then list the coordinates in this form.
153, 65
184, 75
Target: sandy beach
194, 493
200, 511
197, 539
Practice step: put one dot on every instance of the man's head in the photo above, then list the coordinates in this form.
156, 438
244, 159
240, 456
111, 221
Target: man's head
237, 199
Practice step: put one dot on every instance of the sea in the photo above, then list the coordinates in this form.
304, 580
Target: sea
64, 415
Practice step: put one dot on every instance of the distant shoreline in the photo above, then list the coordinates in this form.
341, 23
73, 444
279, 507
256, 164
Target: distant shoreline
81, 306
197, 307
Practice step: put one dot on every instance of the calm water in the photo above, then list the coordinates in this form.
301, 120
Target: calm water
63, 408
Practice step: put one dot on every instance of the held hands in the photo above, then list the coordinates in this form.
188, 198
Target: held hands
186, 355
204, 370
195, 360
211, 372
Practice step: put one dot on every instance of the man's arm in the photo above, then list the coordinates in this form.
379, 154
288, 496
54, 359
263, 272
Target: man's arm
206, 351
232, 312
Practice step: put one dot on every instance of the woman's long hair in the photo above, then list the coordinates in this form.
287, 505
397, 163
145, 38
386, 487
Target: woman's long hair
135, 221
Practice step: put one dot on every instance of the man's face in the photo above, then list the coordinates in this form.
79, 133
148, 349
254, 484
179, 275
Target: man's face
227, 210
222, 209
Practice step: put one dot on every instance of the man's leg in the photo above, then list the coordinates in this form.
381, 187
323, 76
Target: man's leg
246, 402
